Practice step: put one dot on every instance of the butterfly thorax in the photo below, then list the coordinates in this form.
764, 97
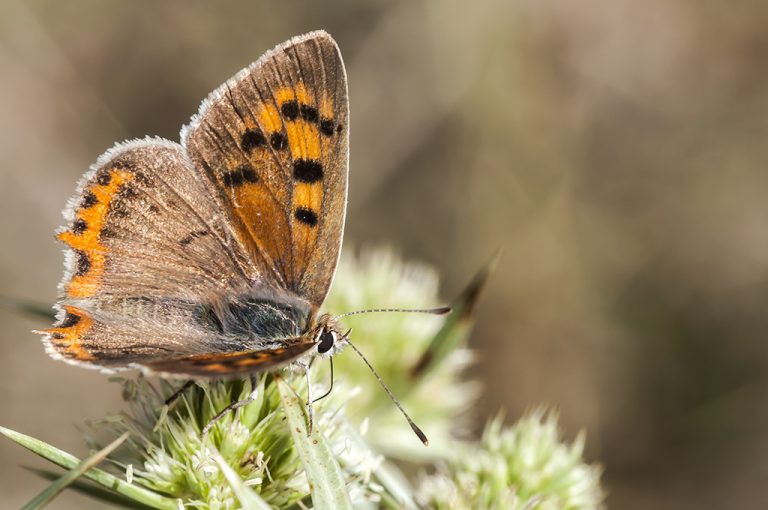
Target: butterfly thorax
256, 317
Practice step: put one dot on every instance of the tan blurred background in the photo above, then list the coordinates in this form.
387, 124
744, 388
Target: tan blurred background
616, 150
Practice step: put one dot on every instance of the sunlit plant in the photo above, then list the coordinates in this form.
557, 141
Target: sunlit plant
526, 466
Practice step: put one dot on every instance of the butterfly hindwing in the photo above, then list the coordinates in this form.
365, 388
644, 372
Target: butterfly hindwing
158, 333
275, 140
104, 338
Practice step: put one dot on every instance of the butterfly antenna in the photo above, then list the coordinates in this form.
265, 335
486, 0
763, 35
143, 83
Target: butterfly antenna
414, 427
432, 311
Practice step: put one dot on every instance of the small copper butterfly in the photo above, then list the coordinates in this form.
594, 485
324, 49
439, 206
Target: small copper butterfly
211, 258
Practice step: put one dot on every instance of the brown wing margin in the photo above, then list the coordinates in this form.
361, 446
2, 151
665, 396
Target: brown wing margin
275, 140
229, 364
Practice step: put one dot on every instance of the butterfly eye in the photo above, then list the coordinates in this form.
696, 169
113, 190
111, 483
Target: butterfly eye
327, 339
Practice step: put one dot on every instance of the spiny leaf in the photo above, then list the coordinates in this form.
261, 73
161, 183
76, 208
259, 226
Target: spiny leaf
68, 461
93, 491
63, 482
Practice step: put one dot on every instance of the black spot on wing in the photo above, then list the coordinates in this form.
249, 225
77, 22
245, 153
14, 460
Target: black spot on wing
306, 216
251, 139
290, 110
89, 200
104, 177
278, 141
239, 176
309, 113
79, 226
327, 127
307, 170
70, 319
83, 263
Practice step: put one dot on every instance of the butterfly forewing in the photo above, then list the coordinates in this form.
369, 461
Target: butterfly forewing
275, 140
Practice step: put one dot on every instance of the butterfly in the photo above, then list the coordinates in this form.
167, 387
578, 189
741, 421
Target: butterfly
210, 258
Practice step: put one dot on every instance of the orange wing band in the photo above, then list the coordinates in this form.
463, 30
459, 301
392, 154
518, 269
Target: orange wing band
84, 235
67, 337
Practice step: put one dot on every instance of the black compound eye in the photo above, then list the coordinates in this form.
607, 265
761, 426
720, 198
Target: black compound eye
327, 339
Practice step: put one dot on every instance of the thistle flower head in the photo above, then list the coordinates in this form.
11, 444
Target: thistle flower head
168, 454
523, 467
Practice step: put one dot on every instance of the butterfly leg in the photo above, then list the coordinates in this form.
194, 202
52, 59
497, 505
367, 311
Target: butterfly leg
173, 398
232, 407
309, 401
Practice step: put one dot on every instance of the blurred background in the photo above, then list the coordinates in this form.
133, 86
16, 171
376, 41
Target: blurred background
616, 150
